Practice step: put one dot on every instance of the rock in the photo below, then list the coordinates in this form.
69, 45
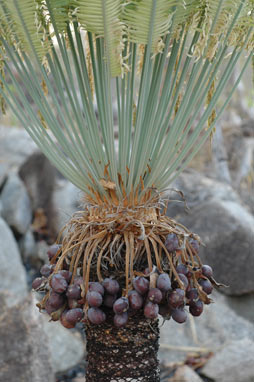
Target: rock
186, 374
243, 305
16, 205
39, 176
12, 272
215, 327
28, 246
225, 225
66, 347
234, 363
197, 189
15, 146
67, 199
24, 353
1, 208
3, 174
227, 230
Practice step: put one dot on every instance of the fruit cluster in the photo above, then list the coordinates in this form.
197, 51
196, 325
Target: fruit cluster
165, 293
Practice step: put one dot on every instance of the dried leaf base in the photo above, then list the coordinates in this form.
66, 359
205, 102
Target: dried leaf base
123, 354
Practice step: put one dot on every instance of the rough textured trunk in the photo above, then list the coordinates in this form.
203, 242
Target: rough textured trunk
123, 354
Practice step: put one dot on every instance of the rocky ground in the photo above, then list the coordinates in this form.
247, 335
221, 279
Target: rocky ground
35, 202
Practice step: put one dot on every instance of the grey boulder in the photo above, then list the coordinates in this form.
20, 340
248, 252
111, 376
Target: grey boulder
186, 374
12, 271
24, 352
227, 230
233, 363
16, 205
15, 146
3, 174
66, 346
217, 326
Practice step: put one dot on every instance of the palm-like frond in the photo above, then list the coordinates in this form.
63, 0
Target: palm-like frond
24, 25
148, 19
102, 17
60, 13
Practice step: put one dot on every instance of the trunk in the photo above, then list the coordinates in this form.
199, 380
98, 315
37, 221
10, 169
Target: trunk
123, 354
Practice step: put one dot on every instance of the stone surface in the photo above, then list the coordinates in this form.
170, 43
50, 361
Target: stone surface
197, 189
186, 374
243, 305
227, 230
233, 363
66, 346
3, 174
214, 328
16, 204
28, 246
12, 272
67, 199
24, 353
15, 146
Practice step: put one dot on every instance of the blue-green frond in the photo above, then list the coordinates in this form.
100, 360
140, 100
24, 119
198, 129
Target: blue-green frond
25, 26
102, 17
137, 16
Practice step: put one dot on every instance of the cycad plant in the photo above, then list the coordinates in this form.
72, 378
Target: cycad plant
165, 63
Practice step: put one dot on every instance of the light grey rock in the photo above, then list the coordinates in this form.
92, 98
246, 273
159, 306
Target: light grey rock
12, 272
24, 352
15, 146
32, 251
66, 346
215, 327
28, 246
3, 174
233, 363
227, 230
16, 204
186, 374
197, 189
1, 208
67, 199
243, 305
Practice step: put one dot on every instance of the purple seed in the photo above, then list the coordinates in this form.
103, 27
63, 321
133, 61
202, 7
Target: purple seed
94, 299
52, 251
176, 298
74, 292
164, 282
206, 286
179, 315
171, 242
109, 300
120, 320
38, 282
141, 284
111, 286
45, 270
96, 316
95, 286
121, 305
58, 283
74, 315
155, 295
56, 300
194, 244
135, 300
207, 271
66, 274
196, 308
151, 310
